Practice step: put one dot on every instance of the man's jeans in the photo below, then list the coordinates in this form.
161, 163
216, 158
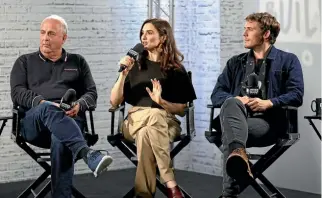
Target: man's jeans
236, 126
47, 126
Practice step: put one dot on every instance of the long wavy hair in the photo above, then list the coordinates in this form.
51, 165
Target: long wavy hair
171, 57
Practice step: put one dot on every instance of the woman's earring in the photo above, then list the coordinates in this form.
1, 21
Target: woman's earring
160, 48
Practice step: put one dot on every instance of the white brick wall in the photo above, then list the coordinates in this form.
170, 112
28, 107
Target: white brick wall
198, 36
214, 35
102, 31
208, 32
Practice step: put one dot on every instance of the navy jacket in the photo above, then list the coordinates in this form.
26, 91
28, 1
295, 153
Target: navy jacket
284, 80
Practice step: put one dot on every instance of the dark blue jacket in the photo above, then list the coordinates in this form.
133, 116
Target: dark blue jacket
285, 79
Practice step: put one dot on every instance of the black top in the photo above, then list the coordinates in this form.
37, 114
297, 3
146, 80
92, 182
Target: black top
258, 66
176, 85
34, 78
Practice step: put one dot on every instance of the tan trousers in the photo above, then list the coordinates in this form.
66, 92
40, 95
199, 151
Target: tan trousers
152, 130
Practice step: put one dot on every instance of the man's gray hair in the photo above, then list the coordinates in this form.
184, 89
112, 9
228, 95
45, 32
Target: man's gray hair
60, 19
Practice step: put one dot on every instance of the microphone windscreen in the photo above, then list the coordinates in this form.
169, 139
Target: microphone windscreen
69, 96
252, 80
136, 50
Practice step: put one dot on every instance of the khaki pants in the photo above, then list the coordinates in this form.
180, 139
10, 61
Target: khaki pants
152, 129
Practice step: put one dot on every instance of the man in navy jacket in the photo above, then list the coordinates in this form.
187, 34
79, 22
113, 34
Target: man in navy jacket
249, 110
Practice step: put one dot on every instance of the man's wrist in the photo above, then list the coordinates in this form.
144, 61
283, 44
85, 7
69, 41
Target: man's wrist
270, 104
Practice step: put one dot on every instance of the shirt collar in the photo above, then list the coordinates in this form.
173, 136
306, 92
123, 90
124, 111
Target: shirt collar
63, 57
271, 54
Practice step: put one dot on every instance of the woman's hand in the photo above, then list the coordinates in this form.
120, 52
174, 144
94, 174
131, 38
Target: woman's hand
128, 62
155, 94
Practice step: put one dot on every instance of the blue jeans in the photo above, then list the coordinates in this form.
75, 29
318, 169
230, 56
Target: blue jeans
237, 126
47, 126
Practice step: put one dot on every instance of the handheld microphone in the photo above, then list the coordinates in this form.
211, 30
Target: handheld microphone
68, 100
252, 88
133, 53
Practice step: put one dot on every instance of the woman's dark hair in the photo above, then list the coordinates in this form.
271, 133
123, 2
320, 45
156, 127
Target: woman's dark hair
171, 58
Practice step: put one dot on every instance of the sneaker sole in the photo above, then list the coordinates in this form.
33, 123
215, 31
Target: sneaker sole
237, 168
102, 166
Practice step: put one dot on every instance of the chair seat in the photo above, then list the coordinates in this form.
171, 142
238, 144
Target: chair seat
43, 157
213, 137
180, 137
5, 117
121, 136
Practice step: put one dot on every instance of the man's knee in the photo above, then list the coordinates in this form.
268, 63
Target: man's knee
231, 102
231, 105
46, 107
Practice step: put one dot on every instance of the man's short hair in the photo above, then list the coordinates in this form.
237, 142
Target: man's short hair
60, 19
266, 22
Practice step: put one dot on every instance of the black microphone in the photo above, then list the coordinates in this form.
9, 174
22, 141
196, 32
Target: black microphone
68, 100
252, 88
133, 53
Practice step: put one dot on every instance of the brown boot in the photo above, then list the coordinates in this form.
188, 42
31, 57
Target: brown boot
237, 165
175, 192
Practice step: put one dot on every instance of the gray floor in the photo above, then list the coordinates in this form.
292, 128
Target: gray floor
114, 184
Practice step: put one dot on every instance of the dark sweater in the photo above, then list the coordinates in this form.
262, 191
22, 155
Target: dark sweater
34, 78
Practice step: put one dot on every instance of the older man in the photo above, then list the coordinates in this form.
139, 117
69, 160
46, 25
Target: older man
38, 81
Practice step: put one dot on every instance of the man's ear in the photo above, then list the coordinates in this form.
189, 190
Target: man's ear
64, 38
267, 34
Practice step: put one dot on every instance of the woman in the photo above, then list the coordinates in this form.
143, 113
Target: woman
158, 88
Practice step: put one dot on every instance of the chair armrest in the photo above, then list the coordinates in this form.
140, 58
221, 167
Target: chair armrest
289, 107
291, 114
91, 118
16, 116
187, 109
212, 106
211, 115
115, 109
120, 109
91, 109
190, 120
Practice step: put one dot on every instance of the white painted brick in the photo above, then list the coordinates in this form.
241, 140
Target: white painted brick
50, 9
215, 34
16, 9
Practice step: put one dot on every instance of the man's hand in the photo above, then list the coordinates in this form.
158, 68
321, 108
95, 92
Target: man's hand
74, 111
257, 104
156, 92
243, 99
